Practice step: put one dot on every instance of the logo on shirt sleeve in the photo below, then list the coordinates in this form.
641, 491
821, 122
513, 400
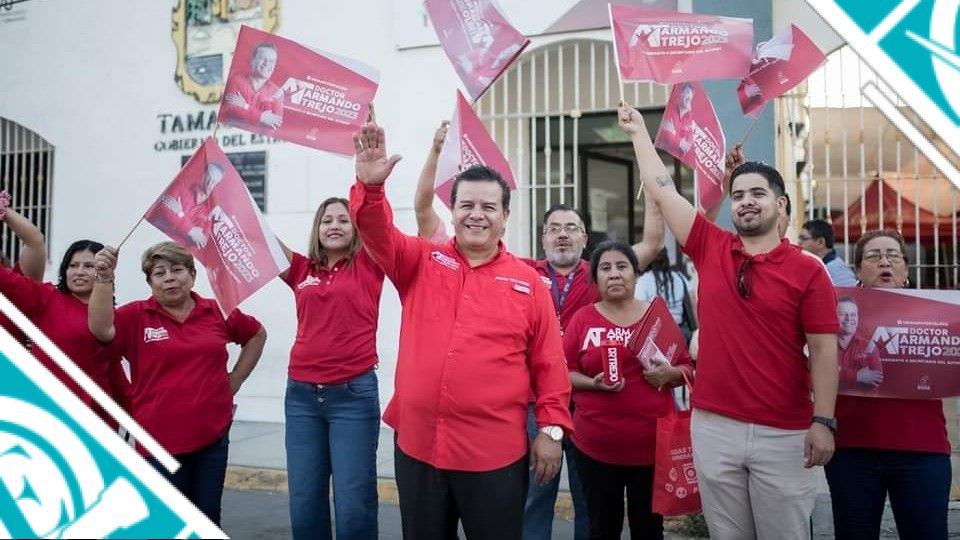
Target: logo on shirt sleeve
155, 334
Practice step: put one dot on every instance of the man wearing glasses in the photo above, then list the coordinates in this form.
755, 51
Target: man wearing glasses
756, 433
816, 237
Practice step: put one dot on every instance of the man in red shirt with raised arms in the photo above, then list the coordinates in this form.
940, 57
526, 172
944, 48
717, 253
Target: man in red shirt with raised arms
478, 332
253, 100
756, 433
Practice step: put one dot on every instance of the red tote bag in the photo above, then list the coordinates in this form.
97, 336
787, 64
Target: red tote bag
675, 489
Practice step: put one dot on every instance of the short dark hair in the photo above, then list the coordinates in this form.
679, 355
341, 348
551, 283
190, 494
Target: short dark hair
613, 245
847, 299
774, 179
562, 207
481, 173
789, 206
819, 228
77, 247
862, 243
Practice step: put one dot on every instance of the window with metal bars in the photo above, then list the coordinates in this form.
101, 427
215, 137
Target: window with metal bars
26, 173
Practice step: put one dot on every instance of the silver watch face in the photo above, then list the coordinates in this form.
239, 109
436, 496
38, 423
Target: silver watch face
554, 432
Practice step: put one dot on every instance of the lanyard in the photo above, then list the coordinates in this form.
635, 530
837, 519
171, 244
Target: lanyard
559, 297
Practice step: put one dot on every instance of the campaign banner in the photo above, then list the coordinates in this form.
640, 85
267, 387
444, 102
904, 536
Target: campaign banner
467, 144
671, 47
280, 88
63, 472
658, 339
899, 343
208, 210
691, 132
777, 66
479, 41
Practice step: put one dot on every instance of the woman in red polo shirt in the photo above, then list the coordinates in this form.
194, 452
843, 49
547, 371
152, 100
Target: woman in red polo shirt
332, 402
176, 343
615, 426
888, 447
60, 311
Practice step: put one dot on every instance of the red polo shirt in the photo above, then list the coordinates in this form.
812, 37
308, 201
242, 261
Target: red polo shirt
63, 319
855, 357
473, 342
180, 386
268, 98
337, 312
619, 428
583, 292
910, 425
751, 365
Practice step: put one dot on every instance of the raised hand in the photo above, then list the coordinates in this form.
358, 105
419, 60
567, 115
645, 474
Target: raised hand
236, 100
106, 262
197, 237
631, 121
270, 120
373, 165
173, 203
440, 136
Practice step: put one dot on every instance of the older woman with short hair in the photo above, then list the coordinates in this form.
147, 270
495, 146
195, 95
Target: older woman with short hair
885, 446
176, 343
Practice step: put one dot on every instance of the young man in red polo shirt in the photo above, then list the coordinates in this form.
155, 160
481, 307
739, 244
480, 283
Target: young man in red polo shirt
478, 333
756, 433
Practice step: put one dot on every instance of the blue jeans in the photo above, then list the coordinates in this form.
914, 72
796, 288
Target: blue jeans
333, 430
918, 485
200, 476
538, 513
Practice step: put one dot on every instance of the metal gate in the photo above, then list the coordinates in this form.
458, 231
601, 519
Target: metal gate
26, 173
855, 169
535, 113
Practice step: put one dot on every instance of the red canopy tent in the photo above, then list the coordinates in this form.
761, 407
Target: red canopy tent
868, 211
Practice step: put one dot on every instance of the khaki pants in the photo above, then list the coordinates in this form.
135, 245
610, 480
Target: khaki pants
752, 480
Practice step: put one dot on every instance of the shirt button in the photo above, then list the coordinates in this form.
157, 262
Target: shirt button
466, 297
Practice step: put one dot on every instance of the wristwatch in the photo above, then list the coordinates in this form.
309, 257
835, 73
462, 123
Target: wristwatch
829, 422
554, 432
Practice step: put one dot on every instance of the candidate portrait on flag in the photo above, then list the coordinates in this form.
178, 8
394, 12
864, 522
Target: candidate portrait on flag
676, 135
253, 99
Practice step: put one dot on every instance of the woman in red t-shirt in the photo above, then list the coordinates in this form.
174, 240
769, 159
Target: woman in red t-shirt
888, 447
615, 425
332, 401
176, 342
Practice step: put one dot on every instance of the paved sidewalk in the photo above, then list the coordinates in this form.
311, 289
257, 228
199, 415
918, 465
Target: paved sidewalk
255, 504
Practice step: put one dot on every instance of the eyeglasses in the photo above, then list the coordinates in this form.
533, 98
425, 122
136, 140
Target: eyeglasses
743, 284
874, 256
569, 228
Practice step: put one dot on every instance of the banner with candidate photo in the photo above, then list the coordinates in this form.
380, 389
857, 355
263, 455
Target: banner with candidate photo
691, 132
670, 47
280, 88
208, 209
479, 41
899, 343
778, 65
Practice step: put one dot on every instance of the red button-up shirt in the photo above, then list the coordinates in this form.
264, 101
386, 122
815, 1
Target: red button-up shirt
473, 342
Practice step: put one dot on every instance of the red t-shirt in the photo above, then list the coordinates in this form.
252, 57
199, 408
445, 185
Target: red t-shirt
752, 367
855, 357
583, 292
63, 319
180, 388
337, 311
473, 342
619, 428
911, 425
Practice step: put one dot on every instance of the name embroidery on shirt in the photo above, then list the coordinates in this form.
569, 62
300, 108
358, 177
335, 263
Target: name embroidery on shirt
309, 281
444, 260
155, 334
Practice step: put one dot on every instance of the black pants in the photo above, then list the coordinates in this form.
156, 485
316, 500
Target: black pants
432, 501
604, 486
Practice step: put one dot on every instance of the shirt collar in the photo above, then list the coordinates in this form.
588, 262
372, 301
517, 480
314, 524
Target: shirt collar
452, 244
775, 255
829, 256
201, 304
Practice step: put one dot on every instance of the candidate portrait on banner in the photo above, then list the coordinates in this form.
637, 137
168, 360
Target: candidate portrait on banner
676, 129
859, 360
253, 99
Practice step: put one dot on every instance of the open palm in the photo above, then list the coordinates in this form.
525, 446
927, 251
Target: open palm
373, 165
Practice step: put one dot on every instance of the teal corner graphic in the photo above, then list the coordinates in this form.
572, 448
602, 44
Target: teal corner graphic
913, 46
65, 474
